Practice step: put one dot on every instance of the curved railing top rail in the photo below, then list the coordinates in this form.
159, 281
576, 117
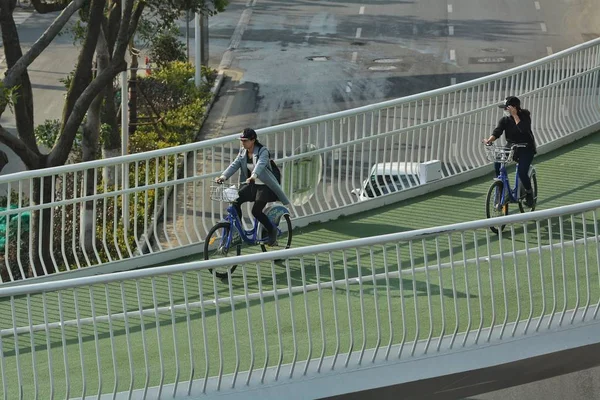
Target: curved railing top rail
291, 125
298, 252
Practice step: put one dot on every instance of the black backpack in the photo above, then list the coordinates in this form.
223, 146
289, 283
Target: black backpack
274, 168
276, 171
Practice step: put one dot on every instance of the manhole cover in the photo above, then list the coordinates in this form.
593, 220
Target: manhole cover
318, 58
491, 60
382, 67
387, 60
494, 50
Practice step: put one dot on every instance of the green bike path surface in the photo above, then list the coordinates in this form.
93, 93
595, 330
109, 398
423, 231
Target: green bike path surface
566, 176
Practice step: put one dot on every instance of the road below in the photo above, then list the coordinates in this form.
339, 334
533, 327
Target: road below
295, 60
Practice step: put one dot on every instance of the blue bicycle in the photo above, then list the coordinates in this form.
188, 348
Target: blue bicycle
229, 234
500, 194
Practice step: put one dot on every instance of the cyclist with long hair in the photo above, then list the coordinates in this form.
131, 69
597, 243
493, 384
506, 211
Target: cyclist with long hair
257, 181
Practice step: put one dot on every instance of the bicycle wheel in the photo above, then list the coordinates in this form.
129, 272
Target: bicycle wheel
284, 241
493, 206
534, 186
215, 248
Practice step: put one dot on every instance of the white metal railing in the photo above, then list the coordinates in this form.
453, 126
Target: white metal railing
323, 160
285, 315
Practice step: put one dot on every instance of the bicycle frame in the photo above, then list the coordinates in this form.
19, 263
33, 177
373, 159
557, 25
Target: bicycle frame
512, 192
249, 237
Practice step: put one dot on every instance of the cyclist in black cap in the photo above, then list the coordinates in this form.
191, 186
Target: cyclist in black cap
516, 125
258, 182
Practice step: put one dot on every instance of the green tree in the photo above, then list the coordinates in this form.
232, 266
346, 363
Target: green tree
110, 26
166, 48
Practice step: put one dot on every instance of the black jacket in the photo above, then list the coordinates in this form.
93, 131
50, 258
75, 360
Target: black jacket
516, 133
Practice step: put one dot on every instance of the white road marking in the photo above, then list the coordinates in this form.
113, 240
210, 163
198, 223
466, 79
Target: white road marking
452, 55
354, 56
451, 30
549, 50
236, 38
358, 32
543, 26
453, 81
362, 10
348, 87
449, 8
537, 5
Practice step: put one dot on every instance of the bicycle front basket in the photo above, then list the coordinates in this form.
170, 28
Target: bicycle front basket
223, 193
498, 154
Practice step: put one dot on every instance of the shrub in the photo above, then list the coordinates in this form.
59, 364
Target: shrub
166, 48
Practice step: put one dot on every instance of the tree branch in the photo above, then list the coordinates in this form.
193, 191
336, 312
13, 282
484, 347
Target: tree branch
135, 18
80, 109
123, 35
81, 80
40, 45
111, 29
28, 156
45, 8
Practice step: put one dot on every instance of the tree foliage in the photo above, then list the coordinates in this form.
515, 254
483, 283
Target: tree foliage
166, 47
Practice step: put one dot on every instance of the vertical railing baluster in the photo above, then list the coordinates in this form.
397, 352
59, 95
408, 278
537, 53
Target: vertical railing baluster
542, 267
20, 383
429, 306
349, 307
335, 312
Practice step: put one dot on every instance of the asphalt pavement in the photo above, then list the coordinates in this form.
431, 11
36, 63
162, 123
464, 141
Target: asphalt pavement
298, 59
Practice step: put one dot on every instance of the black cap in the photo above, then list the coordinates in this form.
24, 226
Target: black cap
248, 134
511, 101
